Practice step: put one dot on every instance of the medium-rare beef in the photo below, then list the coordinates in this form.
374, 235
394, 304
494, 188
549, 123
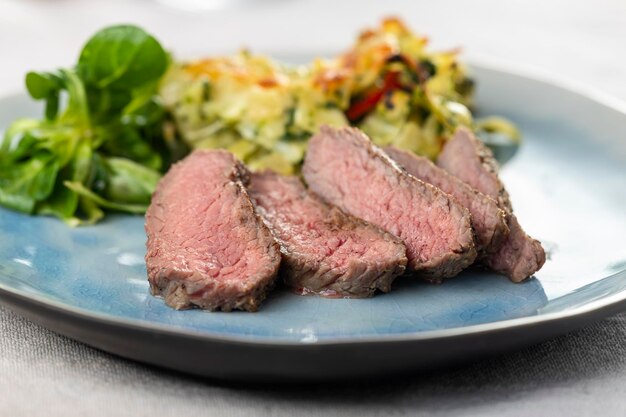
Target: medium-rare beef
520, 256
488, 219
325, 251
346, 169
470, 160
465, 157
206, 245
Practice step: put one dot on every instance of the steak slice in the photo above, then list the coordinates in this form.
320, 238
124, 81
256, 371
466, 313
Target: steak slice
520, 256
206, 245
346, 169
467, 158
488, 220
325, 251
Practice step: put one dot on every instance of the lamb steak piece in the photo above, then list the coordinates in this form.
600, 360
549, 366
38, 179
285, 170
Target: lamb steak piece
488, 220
345, 168
207, 247
467, 158
325, 251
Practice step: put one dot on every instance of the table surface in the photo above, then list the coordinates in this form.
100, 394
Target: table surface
579, 374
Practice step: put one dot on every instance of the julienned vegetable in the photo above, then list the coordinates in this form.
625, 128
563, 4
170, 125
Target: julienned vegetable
389, 84
100, 144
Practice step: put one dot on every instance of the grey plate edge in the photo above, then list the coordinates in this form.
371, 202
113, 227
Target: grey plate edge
611, 304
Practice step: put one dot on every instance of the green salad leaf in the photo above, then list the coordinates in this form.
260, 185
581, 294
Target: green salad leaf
129, 182
122, 57
100, 145
45, 86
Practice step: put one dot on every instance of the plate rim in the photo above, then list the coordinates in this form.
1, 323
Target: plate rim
614, 300
170, 330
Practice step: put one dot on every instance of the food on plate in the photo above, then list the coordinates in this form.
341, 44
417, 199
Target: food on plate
345, 168
261, 110
325, 251
206, 245
389, 84
132, 110
402, 93
218, 235
488, 220
100, 144
467, 158
364, 219
520, 256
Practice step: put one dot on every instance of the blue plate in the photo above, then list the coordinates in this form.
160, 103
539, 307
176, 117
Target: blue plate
568, 185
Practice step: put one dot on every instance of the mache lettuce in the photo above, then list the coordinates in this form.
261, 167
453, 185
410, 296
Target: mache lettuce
100, 144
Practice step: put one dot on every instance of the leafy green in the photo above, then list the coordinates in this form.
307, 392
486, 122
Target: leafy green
129, 182
29, 182
45, 86
121, 57
103, 202
100, 144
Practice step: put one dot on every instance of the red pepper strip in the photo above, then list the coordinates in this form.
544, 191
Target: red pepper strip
364, 106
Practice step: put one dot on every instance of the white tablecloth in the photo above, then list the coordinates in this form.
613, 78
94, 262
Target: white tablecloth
583, 373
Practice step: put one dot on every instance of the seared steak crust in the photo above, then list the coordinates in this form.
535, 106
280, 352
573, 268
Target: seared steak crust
325, 251
206, 245
488, 219
346, 169
520, 256
467, 158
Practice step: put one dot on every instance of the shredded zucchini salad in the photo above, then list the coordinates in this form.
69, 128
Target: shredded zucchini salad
388, 83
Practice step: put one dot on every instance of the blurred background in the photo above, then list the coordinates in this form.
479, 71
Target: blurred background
577, 40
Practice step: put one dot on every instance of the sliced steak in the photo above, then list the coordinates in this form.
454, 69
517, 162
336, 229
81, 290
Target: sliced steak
488, 219
470, 160
520, 256
346, 169
206, 245
465, 157
325, 251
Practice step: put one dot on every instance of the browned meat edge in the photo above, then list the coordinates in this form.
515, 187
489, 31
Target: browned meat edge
467, 158
488, 219
428, 198
184, 287
325, 251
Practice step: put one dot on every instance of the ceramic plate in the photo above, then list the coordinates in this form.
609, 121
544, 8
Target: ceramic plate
568, 185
